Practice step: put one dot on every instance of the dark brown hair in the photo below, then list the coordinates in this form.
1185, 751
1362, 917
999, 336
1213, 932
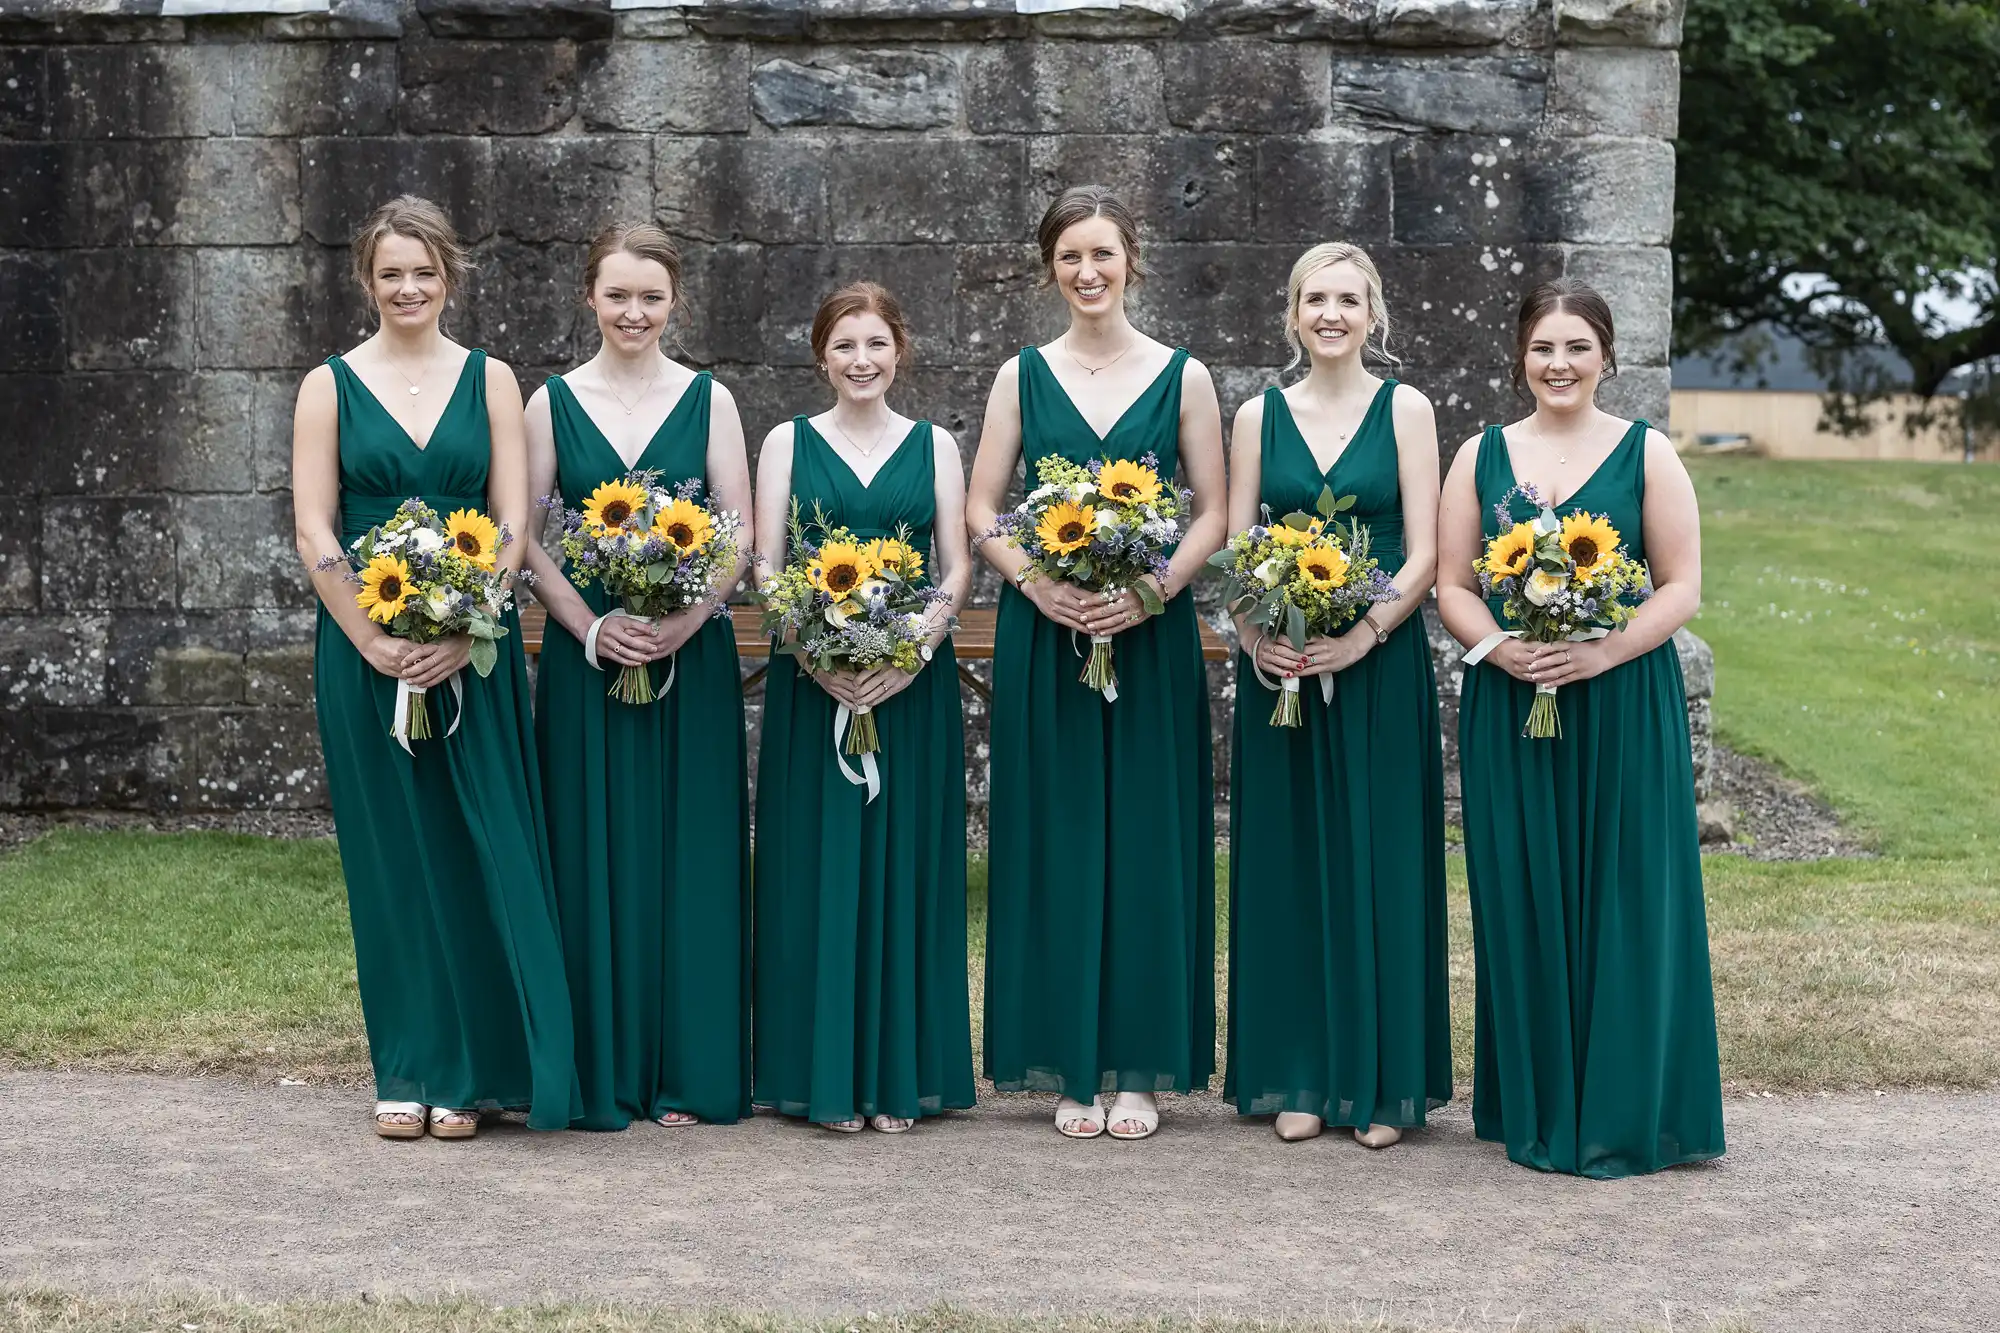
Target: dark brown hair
1080, 203
1562, 296
861, 298
644, 239
420, 220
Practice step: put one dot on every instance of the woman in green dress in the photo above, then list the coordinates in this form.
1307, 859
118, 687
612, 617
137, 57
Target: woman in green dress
648, 804
1594, 1020
1338, 1006
447, 866
1100, 974
861, 1010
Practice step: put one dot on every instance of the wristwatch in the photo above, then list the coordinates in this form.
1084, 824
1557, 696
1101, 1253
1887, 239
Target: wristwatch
1021, 574
1381, 635
924, 651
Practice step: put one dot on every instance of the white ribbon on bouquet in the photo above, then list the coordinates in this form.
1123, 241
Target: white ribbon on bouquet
399, 727
1477, 653
590, 645
1291, 685
1111, 690
871, 772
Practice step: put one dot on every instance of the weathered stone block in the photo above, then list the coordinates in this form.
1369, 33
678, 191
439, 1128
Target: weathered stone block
338, 313
769, 190
1317, 20
238, 434
487, 87
1000, 304
237, 551
881, 90
255, 758
769, 396
31, 194
346, 179
20, 553
1458, 22
31, 334
252, 307
1479, 96
236, 192
50, 659
176, 661
724, 304
1221, 302
1466, 399
1251, 86
114, 758
525, 302
1064, 88
1639, 284
1640, 393
579, 19
689, 86
24, 92
277, 664
344, 18
568, 189
1604, 191
954, 400
1456, 305
139, 91
1311, 190
797, 278
1620, 22
1462, 190
1183, 187
974, 190
107, 554
314, 88
1603, 91
129, 309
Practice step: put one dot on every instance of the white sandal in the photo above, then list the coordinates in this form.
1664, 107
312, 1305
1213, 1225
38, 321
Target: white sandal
890, 1124
394, 1129
1070, 1113
664, 1123
842, 1126
1143, 1113
464, 1128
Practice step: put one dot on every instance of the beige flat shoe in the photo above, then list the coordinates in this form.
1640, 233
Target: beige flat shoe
1293, 1126
447, 1123
1079, 1120
400, 1120
1378, 1136
1133, 1108
842, 1126
890, 1124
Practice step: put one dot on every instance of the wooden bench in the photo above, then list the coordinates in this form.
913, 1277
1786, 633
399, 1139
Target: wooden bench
972, 640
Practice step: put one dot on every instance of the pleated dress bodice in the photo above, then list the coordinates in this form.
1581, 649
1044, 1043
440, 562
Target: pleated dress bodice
381, 466
1291, 478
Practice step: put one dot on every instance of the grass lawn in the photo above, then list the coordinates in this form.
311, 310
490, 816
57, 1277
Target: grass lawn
1855, 646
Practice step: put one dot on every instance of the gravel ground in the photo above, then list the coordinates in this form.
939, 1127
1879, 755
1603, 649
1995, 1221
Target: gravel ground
17, 828
1775, 818
1830, 1213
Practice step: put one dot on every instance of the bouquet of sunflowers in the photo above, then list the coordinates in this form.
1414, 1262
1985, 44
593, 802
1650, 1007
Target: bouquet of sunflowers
656, 551
1103, 527
1564, 580
1302, 576
426, 579
841, 601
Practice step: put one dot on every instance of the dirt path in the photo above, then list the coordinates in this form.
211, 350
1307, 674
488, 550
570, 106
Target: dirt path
1816, 1220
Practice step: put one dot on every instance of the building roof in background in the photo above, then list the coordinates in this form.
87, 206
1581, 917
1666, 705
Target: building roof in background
1785, 370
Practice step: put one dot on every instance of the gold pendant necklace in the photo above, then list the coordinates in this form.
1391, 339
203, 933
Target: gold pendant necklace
644, 389
417, 384
1092, 370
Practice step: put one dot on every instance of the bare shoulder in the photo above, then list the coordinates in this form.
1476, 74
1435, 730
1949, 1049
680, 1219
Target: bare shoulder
1410, 402
538, 401
718, 392
498, 371
318, 382
1009, 373
943, 442
1195, 371
778, 438
1465, 458
1250, 412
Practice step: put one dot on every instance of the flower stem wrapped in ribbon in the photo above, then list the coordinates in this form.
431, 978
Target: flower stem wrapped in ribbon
845, 602
1304, 575
1564, 580
1103, 527
656, 551
424, 579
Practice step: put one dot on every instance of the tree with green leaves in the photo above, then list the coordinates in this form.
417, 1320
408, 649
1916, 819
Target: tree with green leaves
1837, 166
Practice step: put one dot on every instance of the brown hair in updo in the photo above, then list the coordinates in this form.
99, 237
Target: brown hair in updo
1080, 203
420, 220
644, 239
860, 298
1562, 296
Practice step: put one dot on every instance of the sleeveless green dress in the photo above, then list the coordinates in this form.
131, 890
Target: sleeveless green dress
1594, 1020
861, 998
648, 815
1100, 955
1338, 992
447, 865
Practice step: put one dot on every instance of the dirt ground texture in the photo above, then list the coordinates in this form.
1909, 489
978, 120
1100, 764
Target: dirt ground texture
1829, 1213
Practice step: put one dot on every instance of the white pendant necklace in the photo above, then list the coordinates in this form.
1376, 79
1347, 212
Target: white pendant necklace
417, 384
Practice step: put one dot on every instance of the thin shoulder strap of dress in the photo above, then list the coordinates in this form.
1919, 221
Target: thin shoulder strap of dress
1493, 468
1267, 432
1635, 461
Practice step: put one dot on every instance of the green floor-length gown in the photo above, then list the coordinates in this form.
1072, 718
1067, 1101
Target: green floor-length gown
1338, 1002
447, 865
648, 814
1100, 955
1594, 1020
861, 997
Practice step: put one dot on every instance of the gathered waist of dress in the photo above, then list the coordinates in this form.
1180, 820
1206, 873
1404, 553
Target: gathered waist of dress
358, 512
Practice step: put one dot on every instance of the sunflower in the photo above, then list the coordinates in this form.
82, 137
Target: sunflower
612, 506
888, 553
385, 589
1127, 483
683, 525
840, 567
473, 536
1323, 567
1284, 534
1066, 527
1507, 555
1590, 541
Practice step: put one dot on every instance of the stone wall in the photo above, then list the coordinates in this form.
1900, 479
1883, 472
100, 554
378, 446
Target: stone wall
176, 190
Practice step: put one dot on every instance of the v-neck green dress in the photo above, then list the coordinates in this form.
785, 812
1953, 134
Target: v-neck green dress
861, 995
447, 866
649, 828
1339, 1005
1594, 1019
1100, 953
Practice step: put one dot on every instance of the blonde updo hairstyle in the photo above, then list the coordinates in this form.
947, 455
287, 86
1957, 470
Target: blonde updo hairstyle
1080, 203
422, 221
1324, 256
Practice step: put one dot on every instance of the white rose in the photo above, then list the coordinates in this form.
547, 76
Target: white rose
1082, 490
1543, 585
1106, 520
439, 605
1267, 573
1545, 523
870, 589
426, 540
838, 614
1043, 492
